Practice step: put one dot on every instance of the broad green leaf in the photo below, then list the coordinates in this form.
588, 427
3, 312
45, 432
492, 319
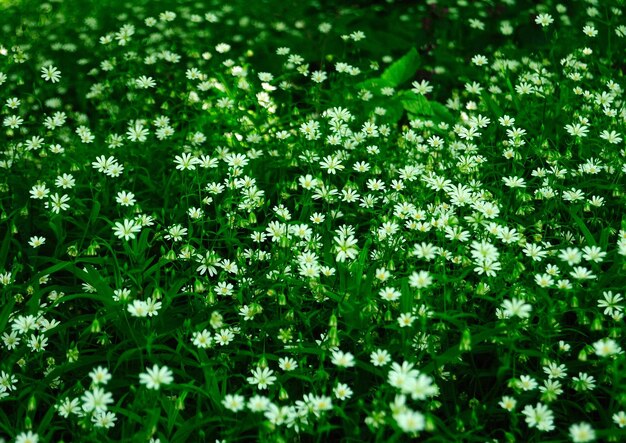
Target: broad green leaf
442, 112
403, 69
374, 84
415, 103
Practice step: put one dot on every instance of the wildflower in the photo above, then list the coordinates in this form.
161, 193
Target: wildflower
27, 437
138, 308
539, 417
410, 421
67, 407
389, 294
104, 420
125, 198
258, 403
186, 161
144, 82
582, 273
331, 164
479, 60
571, 255
516, 307
421, 279
13, 121
380, 357
318, 76
155, 377
406, 319
620, 419
224, 337
39, 192
582, 433
65, 181
262, 377
35, 241
345, 247
421, 88
577, 130
50, 74
126, 230
100, 375
590, 31
58, 203
287, 364
555, 371
96, 400
342, 359
342, 391
611, 303
202, 339
584, 382
234, 403
544, 20
527, 383
11, 341
594, 254
514, 182
606, 347
508, 403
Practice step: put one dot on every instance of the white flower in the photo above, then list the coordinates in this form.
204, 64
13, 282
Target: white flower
582, 433
186, 161
287, 364
126, 230
606, 347
35, 242
144, 82
516, 307
539, 417
50, 74
410, 421
155, 377
380, 357
421, 279
27, 437
389, 294
234, 403
96, 400
544, 20
258, 403
104, 420
422, 87
125, 198
342, 359
100, 375
620, 419
262, 377
508, 403
342, 391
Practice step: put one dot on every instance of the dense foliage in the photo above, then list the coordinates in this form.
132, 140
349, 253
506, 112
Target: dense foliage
322, 221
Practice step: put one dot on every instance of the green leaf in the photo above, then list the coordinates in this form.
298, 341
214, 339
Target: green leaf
394, 109
403, 69
583, 228
374, 84
442, 112
415, 103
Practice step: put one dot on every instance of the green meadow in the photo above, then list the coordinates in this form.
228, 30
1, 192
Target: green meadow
312, 221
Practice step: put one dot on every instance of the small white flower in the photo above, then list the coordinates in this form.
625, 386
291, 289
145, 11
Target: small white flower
155, 377
50, 74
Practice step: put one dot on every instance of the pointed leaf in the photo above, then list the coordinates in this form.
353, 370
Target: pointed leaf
403, 69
